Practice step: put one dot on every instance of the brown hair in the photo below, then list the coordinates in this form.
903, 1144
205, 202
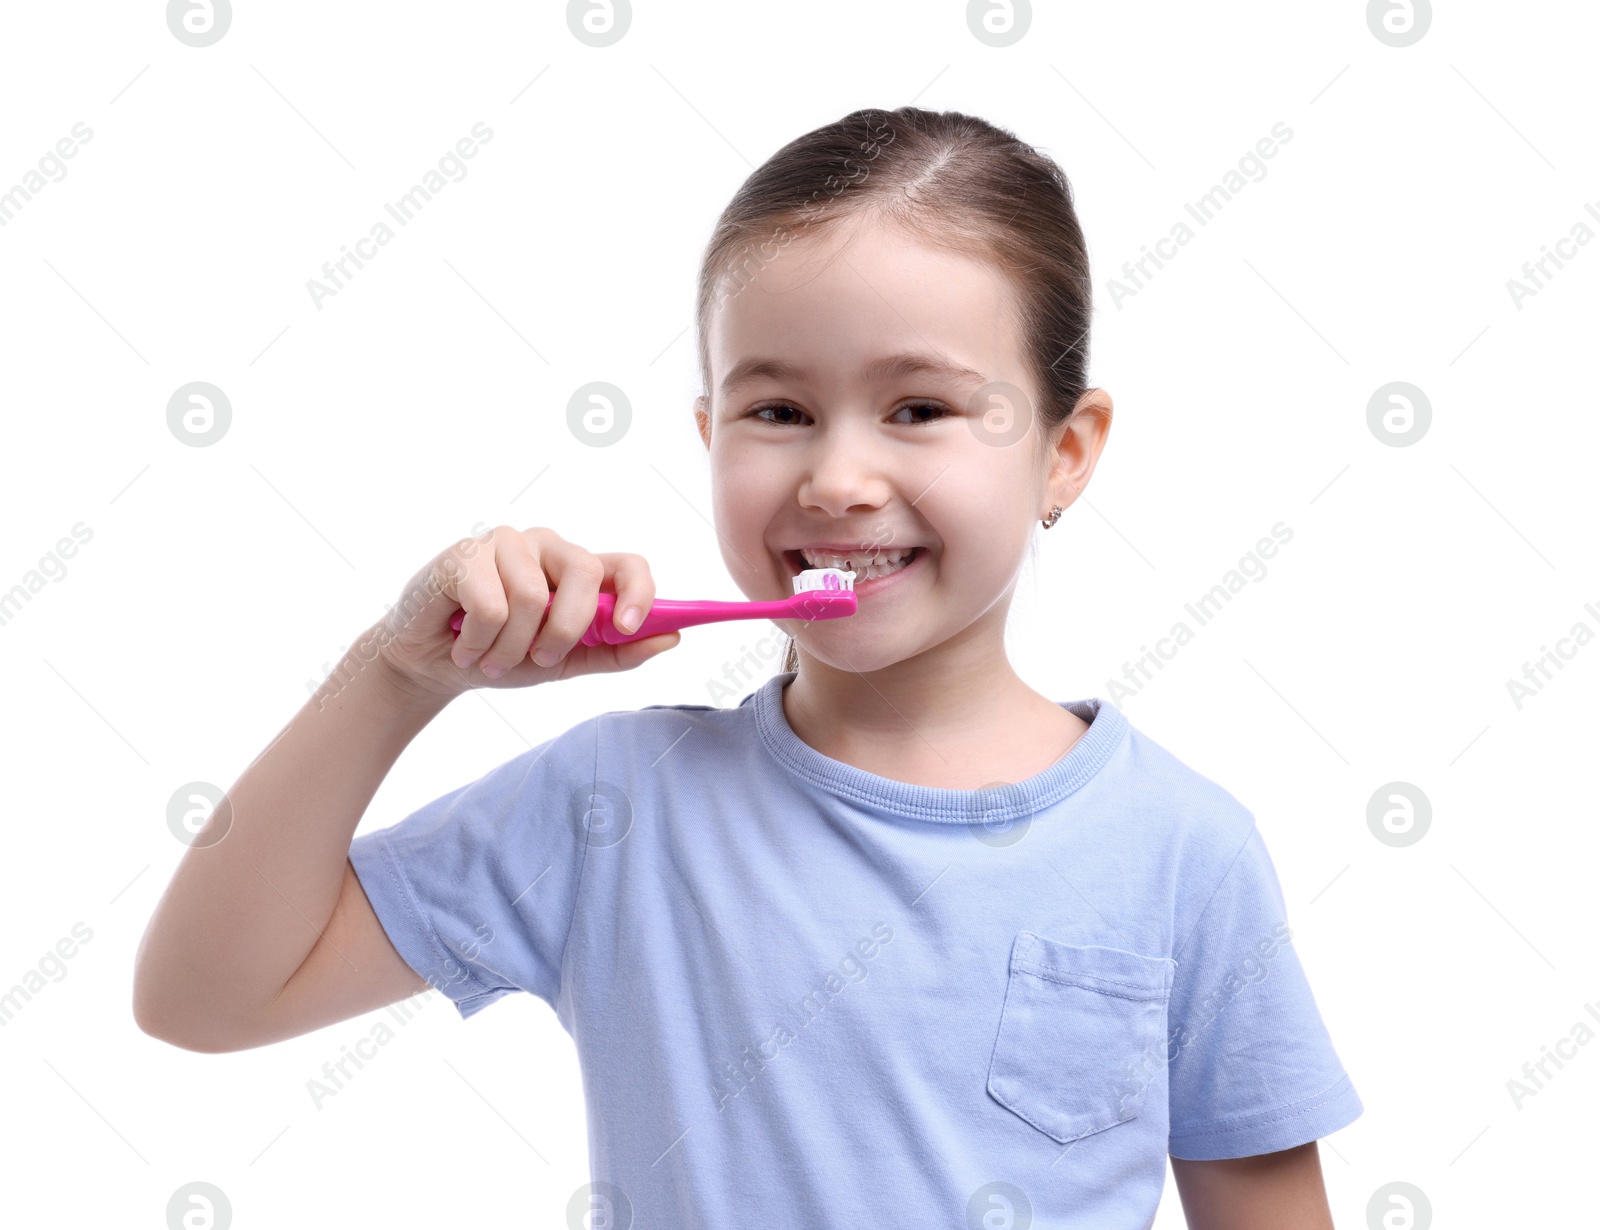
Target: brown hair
959, 182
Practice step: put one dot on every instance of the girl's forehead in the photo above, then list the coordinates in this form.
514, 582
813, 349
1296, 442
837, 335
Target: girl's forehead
837, 254
844, 301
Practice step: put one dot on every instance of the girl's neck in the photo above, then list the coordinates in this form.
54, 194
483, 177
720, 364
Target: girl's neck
970, 726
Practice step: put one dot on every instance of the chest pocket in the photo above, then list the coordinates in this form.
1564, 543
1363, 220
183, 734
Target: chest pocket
1082, 1035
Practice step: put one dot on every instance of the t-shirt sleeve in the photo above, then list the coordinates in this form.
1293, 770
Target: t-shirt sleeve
477, 889
1250, 1066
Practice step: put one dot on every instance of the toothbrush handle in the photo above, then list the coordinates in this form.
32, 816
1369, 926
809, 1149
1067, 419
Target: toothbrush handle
669, 615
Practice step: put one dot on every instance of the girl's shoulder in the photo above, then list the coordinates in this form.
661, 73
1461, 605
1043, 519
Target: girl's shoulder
1195, 812
625, 724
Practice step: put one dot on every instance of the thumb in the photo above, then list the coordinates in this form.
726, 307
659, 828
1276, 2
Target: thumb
636, 653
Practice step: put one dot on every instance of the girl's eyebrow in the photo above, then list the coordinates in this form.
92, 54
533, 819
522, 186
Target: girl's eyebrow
887, 368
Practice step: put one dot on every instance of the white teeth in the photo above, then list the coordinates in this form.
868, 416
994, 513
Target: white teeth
824, 578
860, 561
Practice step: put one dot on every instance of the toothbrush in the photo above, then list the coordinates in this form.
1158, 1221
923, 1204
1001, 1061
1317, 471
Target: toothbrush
819, 593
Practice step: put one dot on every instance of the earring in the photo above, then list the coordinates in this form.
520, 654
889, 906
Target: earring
1055, 515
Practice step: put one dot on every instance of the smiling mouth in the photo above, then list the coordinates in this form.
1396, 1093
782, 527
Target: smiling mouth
866, 565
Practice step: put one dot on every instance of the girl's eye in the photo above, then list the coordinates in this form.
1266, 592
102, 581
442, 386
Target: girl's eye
760, 411
923, 405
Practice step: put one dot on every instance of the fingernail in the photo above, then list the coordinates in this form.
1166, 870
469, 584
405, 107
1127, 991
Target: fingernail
493, 670
465, 661
546, 657
629, 620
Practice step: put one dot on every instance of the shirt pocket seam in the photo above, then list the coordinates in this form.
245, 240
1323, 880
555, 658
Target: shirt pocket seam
1090, 982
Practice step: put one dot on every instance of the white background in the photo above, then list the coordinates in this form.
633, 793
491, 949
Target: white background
430, 394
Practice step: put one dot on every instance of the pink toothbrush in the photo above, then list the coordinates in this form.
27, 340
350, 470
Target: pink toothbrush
820, 593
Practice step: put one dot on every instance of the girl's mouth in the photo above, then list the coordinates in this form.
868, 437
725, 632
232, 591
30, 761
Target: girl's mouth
869, 575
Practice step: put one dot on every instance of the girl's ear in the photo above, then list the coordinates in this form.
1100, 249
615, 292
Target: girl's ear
702, 417
1078, 447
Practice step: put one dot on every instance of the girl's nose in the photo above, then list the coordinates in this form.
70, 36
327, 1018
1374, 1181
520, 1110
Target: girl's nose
843, 475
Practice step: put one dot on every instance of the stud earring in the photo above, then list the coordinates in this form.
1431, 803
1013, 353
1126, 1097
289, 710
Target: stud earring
1055, 515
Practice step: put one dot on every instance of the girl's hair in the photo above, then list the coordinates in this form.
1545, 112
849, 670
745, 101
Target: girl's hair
958, 182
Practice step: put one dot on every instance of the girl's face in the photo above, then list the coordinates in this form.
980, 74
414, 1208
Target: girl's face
844, 412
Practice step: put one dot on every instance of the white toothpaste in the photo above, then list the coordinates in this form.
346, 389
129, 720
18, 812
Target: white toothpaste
824, 578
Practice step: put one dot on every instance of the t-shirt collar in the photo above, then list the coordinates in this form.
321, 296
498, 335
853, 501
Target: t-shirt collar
991, 805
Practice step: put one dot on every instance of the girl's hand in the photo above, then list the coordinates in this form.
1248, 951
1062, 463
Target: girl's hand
502, 580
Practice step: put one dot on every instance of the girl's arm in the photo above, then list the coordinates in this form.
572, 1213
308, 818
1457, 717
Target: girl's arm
1272, 1191
266, 933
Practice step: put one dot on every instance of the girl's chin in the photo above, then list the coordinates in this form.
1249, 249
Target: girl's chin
852, 654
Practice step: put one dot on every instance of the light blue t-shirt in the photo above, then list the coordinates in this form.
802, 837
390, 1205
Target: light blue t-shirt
807, 996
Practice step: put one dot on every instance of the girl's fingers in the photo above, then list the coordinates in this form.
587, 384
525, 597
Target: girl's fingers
517, 562
477, 589
532, 594
575, 575
630, 579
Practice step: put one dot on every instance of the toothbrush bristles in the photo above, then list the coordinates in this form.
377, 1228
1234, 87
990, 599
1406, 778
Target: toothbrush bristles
824, 579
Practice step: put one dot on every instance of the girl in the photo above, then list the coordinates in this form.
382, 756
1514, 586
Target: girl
896, 940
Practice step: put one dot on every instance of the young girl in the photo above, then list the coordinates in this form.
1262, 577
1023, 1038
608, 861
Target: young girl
894, 941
